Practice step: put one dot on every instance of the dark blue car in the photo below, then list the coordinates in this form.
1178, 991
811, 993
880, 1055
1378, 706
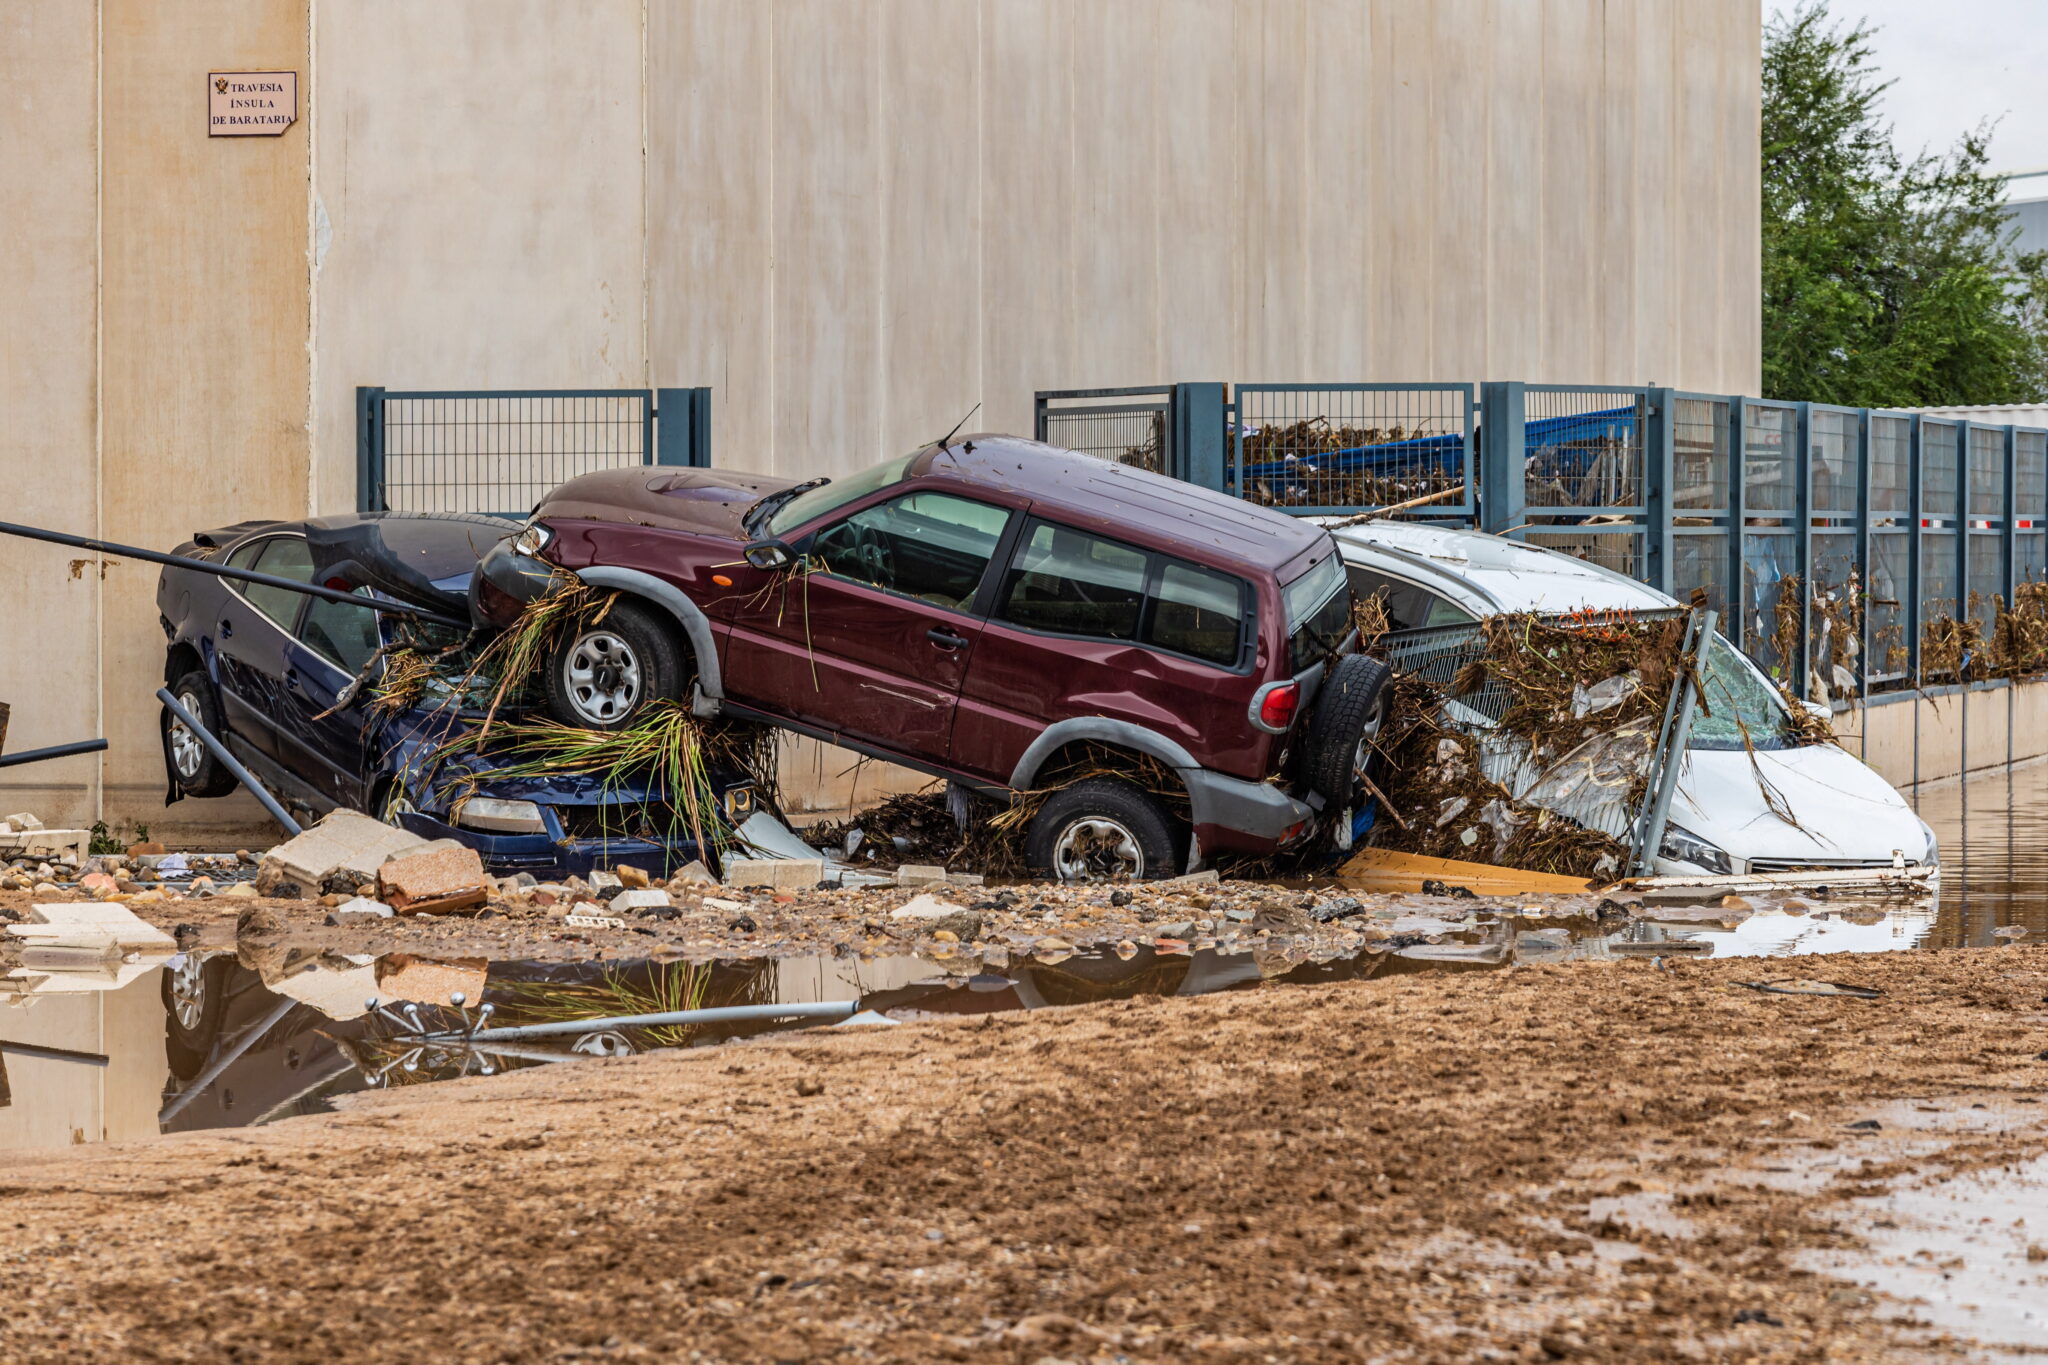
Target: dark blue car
263, 667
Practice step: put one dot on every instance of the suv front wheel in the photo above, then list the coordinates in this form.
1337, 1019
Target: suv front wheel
604, 673
1103, 829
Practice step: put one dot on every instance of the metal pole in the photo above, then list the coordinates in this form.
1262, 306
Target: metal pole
830, 1009
53, 1054
108, 547
83, 746
1674, 753
229, 761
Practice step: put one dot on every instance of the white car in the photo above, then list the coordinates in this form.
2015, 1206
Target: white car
1721, 820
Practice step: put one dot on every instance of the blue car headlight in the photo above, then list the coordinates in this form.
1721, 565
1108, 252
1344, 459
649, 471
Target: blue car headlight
1681, 845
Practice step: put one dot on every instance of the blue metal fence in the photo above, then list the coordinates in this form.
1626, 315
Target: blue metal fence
1849, 550
500, 450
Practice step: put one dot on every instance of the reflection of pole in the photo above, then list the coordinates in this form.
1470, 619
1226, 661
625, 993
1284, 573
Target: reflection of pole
1671, 739
53, 1054
725, 1014
229, 761
226, 1059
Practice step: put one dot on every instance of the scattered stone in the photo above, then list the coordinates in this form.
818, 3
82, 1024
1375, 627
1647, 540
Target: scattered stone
1864, 1126
21, 823
632, 878
241, 891
777, 874
435, 882
1330, 911
1119, 897
147, 849
258, 921
1735, 903
694, 874
1432, 887
1207, 874
365, 907
806, 1089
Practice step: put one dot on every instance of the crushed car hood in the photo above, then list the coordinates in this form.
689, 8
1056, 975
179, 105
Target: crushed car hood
705, 502
426, 559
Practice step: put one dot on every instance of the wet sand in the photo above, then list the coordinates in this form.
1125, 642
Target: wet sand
1618, 1161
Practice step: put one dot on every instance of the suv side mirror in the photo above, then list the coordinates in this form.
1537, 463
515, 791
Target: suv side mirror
769, 555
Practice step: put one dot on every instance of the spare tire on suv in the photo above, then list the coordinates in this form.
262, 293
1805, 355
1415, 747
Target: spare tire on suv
1350, 709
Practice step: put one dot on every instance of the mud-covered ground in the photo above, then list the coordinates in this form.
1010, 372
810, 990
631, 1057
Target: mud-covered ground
1625, 1161
726, 921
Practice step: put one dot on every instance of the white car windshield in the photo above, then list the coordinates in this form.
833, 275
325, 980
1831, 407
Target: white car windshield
1738, 704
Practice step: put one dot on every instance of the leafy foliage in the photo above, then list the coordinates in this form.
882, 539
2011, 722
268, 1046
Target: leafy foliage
1889, 280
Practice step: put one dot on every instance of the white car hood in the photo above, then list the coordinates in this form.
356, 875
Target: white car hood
1846, 812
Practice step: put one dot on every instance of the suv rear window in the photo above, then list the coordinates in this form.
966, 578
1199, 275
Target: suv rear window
1318, 613
1068, 582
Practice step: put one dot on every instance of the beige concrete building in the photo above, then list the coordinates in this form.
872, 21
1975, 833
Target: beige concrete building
854, 219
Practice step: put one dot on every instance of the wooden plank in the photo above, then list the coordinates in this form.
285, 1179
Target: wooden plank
1382, 869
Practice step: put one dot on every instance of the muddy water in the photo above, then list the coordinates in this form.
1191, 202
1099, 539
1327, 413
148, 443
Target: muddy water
234, 1046
1994, 853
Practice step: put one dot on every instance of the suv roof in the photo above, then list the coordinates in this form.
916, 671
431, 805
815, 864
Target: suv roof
1514, 575
1085, 490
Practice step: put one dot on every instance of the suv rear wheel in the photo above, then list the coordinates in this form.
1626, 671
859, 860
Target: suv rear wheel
192, 765
1102, 829
604, 674
1349, 713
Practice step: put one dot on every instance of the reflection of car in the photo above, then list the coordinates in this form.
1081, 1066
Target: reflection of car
264, 667
994, 611
1722, 818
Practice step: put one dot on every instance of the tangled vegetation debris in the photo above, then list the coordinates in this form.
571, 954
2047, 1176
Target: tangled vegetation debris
1574, 704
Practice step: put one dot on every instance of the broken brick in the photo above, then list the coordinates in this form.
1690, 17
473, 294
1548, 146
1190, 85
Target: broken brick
435, 882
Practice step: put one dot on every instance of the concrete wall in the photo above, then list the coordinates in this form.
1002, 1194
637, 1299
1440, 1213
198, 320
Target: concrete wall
856, 219
1944, 735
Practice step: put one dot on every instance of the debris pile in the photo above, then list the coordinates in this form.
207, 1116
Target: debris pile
1530, 745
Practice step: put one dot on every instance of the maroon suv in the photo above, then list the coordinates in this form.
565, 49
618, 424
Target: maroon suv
1001, 613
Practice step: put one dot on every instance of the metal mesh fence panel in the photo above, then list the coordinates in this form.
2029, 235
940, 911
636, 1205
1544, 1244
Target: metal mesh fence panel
1618, 548
1585, 448
1832, 452
1891, 466
1699, 454
1132, 431
1938, 486
1353, 447
1987, 472
500, 452
2030, 494
1891, 579
1770, 547
1699, 560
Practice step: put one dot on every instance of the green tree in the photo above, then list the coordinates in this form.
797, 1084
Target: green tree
1889, 281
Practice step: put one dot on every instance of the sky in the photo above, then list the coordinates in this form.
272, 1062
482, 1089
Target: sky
1956, 62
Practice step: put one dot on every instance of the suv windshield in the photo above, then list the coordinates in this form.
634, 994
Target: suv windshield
1318, 613
1738, 702
830, 497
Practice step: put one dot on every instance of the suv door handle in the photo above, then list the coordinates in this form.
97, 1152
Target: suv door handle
227, 628
945, 637
291, 679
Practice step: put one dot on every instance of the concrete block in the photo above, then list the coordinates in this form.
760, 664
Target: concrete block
436, 881
966, 879
21, 822
641, 898
67, 845
600, 879
344, 842
919, 874
57, 923
783, 874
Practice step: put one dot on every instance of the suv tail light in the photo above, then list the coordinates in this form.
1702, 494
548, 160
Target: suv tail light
1275, 706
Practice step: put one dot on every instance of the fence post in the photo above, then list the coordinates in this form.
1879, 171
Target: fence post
370, 450
1659, 457
1196, 432
1738, 473
1864, 517
1503, 439
1963, 612
683, 427
1915, 516
2008, 560
1797, 670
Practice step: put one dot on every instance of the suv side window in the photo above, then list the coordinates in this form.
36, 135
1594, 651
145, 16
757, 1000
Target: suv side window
1409, 605
1073, 583
343, 635
285, 557
1199, 612
931, 546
